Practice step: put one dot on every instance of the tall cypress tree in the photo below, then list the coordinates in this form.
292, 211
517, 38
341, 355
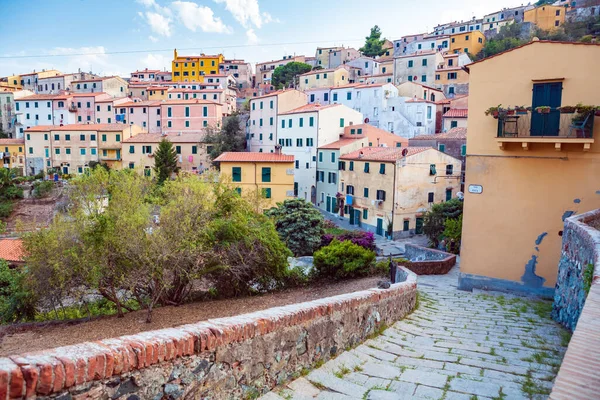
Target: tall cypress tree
165, 161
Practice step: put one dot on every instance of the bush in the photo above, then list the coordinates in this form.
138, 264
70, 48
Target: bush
452, 234
12, 192
435, 219
361, 238
6, 208
42, 189
17, 302
344, 260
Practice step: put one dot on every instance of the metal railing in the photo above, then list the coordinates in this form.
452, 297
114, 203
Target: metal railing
552, 124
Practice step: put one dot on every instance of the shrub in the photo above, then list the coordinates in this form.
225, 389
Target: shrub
344, 260
17, 302
6, 208
452, 234
435, 219
361, 238
12, 192
42, 189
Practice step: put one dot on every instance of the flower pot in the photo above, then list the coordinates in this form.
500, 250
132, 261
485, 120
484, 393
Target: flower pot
495, 114
567, 110
510, 112
543, 110
597, 113
522, 111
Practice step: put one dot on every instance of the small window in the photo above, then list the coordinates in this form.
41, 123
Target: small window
236, 174
365, 214
266, 193
366, 193
430, 197
432, 170
449, 169
463, 150
381, 195
382, 169
266, 174
351, 166
366, 168
442, 147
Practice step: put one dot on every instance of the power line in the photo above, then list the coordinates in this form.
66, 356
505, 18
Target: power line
181, 49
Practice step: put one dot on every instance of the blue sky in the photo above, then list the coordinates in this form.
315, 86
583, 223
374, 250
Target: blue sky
255, 30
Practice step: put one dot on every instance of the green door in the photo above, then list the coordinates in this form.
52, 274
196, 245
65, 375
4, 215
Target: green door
448, 194
419, 227
328, 203
546, 94
379, 230
351, 212
357, 217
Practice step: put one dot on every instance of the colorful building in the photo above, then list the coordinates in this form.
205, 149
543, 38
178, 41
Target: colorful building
546, 17
324, 78
13, 154
264, 70
390, 189
526, 175
418, 67
195, 68
190, 116
269, 175
468, 42
112, 85
450, 75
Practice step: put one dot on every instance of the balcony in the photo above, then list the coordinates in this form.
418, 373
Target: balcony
554, 128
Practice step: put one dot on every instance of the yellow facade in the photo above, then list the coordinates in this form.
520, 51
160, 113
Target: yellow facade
546, 17
13, 81
250, 178
158, 93
13, 154
520, 188
110, 143
468, 42
194, 68
323, 78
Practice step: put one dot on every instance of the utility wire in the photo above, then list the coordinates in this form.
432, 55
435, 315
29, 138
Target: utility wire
180, 49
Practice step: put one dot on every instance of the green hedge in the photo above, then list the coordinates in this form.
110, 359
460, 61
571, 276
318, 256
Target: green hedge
344, 260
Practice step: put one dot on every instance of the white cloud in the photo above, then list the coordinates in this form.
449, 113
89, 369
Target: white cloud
252, 38
194, 16
246, 12
154, 5
159, 23
153, 39
147, 3
156, 61
87, 59
267, 18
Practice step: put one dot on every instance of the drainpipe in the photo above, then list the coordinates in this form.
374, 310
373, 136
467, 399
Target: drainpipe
256, 185
394, 196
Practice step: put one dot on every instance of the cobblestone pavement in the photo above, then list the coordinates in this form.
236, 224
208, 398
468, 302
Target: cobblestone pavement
455, 345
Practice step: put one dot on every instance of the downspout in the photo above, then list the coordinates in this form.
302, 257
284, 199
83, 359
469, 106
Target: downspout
256, 185
394, 196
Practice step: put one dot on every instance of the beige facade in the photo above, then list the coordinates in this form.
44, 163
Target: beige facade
416, 90
264, 70
322, 78
112, 85
520, 187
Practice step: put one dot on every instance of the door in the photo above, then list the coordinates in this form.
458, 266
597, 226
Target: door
419, 227
357, 217
546, 94
328, 203
379, 230
351, 213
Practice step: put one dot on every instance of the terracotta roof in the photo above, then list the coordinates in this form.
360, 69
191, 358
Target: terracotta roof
382, 153
79, 127
171, 137
41, 128
111, 99
189, 101
341, 143
44, 97
417, 100
454, 133
146, 71
310, 108
418, 54
12, 250
11, 141
456, 113
94, 94
146, 103
100, 78
318, 71
420, 84
254, 157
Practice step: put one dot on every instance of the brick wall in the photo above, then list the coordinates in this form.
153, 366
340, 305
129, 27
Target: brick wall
578, 377
222, 358
425, 261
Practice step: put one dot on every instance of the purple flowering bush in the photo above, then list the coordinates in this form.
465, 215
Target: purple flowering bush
361, 238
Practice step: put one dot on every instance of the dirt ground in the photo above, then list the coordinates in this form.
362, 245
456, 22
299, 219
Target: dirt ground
43, 337
31, 214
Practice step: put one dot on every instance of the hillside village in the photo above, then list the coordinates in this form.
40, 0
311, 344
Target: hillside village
490, 123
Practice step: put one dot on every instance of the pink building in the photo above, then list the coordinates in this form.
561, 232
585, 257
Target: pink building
106, 109
85, 104
146, 114
189, 116
227, 97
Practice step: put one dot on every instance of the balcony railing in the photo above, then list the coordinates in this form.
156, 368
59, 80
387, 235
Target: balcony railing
553, 127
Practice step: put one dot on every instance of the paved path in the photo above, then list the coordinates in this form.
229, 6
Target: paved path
455, 345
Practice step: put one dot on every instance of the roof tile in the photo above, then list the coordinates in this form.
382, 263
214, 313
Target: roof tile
254, 157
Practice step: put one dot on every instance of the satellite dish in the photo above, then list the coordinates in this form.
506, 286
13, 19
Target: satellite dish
404, 152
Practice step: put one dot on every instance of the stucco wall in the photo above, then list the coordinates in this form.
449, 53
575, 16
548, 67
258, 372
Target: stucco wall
234, 357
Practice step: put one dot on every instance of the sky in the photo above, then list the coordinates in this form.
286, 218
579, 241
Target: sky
116, 37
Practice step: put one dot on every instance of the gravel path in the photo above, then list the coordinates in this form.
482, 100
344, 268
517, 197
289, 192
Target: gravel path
43, 337
455, 345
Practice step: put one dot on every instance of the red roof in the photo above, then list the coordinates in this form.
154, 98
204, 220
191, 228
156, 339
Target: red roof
310, 108
454, 133
341, 143
456, 113
11, 250
383, 153
79, 127
171, 137
12, 141
254, 157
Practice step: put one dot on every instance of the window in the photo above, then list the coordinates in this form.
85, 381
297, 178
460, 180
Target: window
453, 124
236, 174
341, 122
366, 193
178, 149
82, 151
301, 122
194, 149
67, 137
382, 169
289, 123
424, 62
271, 121
271, 104
320, 156
335, 97
118, 137
480, 40
405, 225
299, 142
324, 76
557, 13
311, 121
410, 63
309, 142
428, 112
463, 150
297, 164
449, 169
381, 195
266, 174
423, 78
410, 78
365, 213
266, 193
332, 177
556, 23
342, 165
452, 75
93, 150
131, 149
366, 168
432, 170
350, 189
430, 197
442, 147
57, 150
466, 37
351, 166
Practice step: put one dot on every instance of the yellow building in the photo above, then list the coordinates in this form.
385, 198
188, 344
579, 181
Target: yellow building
321, 78
110, 142
13, 154
385, 186
194, 68
271, 174
467, 42
13, 81
158, 93
524, 178
546, 17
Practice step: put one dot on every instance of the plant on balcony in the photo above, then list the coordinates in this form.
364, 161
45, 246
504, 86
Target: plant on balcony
543, 109
494, 111
567, 109
510, 111
521, 110
585, 110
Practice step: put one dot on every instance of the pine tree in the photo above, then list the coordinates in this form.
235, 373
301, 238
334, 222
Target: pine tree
165, 161
374, 44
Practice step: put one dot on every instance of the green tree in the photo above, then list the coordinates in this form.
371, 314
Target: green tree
435, 219
299, 224
17, 301
374, 44
230, 137
165, 161
286, 76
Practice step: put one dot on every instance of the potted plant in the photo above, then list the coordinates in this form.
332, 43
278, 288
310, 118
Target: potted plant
597, 112
510, 111
521, 110
543, 109
585, 110
493, 111
567, 109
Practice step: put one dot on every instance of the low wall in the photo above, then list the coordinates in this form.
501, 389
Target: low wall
236, 357
428, 261
578, 377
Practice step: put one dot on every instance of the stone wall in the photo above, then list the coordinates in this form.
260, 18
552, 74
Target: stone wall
425, 261
236, 357
578, 377
580, 248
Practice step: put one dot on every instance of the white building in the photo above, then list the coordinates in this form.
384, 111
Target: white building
261, 132
419, 67
302, 130
459, 27
368, 99
408, 117
318, 95
43, 110
112, 85
8, 116
365, 66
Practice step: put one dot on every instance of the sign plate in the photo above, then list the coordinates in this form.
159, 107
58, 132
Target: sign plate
476, 189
